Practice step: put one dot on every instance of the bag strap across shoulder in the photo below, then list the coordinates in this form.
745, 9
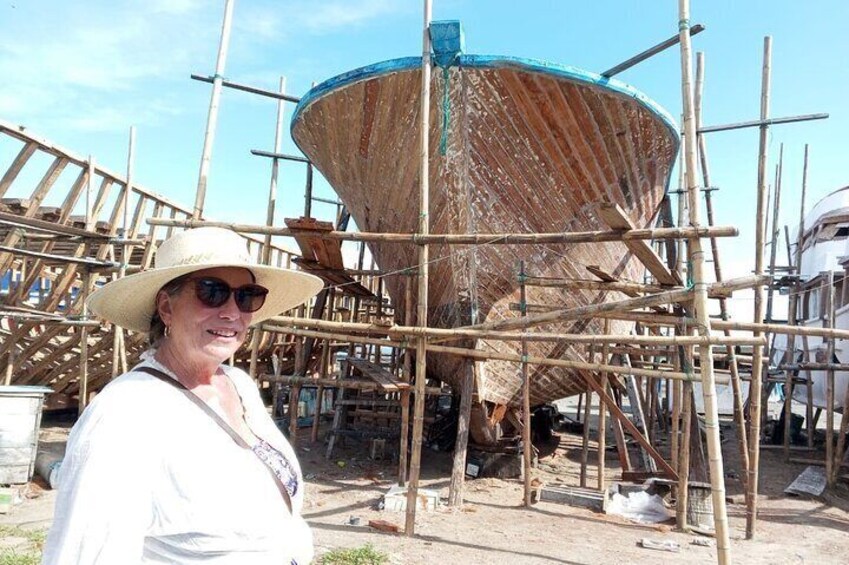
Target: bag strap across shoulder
240, 441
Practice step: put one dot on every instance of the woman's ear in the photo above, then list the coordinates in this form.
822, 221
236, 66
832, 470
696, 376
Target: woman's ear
164, 307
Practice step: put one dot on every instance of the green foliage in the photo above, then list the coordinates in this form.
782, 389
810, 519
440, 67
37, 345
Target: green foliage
365, 555
28, 553
12, 557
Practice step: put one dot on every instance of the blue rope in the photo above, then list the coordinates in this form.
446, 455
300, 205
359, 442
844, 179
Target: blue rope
446, 111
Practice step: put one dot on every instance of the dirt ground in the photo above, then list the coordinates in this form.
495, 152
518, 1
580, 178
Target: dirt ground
343, 494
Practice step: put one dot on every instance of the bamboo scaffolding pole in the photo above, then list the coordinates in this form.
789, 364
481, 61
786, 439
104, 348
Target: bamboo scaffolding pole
298, 380
773, 250
119, 353
459, 333
493, 355
405, 395
717, 474
421, 312
602, 416
757, 329
464, 239
736, 386
754, 435
829, 388
212, 116
269, 214
579, 284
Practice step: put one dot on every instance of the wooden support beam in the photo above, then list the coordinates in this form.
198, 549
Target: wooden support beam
616, 218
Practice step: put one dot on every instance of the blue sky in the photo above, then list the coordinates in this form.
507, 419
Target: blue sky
81, 73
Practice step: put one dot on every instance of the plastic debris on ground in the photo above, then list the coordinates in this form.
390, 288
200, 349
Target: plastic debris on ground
640, 507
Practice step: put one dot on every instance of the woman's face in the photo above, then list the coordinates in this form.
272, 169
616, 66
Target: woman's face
202, 334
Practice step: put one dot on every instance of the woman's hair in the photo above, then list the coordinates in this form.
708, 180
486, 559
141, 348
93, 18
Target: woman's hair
157, 326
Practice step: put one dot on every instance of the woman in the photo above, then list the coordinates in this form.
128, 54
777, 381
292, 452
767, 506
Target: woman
178, 461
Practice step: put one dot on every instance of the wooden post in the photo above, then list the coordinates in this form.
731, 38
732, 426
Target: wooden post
585, 440
829, 387
421, 318
839, 453
526, 396
325, 361
212, 117
405, 394
602, 415
717, 474
684, 449
269, 215
458, 469
83, 389
755, 388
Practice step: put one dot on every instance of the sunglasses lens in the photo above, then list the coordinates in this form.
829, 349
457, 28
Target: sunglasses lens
212, 292
250, 297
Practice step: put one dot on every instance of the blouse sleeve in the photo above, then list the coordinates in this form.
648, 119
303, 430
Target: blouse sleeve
104, 506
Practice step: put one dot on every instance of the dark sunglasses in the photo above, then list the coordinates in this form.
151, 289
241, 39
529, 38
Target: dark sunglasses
213, 292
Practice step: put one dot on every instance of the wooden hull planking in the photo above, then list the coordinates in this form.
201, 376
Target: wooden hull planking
529, 148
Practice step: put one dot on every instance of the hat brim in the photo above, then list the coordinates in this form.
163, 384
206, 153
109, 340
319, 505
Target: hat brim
129, 302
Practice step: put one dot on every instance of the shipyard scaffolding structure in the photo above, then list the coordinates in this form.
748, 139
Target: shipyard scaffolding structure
352, 350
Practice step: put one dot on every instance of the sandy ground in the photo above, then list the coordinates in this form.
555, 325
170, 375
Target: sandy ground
493, 526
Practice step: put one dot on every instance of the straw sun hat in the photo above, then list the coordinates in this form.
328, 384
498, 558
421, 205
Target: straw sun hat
130, 302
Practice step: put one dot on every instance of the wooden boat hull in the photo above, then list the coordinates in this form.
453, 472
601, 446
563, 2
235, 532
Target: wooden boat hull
529, 147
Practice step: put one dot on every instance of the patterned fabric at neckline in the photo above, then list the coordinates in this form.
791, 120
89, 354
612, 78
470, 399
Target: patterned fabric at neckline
278, 463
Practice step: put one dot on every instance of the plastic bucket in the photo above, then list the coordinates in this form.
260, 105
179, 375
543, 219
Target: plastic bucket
20, 418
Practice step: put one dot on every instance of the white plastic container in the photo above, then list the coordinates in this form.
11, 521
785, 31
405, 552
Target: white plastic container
20, 418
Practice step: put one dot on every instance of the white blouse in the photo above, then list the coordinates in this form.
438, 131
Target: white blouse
148, 477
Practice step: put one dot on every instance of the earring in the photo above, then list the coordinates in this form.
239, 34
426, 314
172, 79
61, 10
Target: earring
167, 331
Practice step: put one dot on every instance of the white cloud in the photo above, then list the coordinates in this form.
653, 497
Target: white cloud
326, 17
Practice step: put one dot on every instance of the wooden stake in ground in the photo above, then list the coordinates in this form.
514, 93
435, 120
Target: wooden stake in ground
754, 435
717, 474
421, 318
212, 117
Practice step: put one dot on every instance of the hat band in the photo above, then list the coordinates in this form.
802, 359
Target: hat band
203, 258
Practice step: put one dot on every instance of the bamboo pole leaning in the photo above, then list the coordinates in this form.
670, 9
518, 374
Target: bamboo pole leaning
736, 385
212, 116
269, 214
717, 474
